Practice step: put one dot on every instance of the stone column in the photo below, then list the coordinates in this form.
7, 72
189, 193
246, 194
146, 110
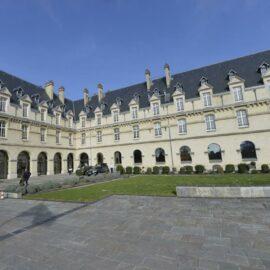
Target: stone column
33, 167
12, 168
50, 168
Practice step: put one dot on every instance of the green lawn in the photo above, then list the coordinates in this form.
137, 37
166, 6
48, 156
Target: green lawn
150, 185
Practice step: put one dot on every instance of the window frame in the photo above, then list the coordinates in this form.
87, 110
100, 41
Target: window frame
25, 132
3, 129
43, 134
242, 122
3, 100
182, 128
207, 99
179, 103
83, 138
99, 136
156, 108
134, 112
157, 129
136, 131
210, 123
116, 132
238, 94
25, 110
57, 136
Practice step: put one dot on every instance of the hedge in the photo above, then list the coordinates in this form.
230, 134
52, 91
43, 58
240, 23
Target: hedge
199, 169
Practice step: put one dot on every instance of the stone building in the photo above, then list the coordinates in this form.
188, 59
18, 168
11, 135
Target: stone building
218, 114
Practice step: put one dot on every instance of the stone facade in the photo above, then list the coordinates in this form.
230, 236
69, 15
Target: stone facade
222, 127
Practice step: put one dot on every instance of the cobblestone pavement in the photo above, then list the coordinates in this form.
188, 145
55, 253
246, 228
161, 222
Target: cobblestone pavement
139, 233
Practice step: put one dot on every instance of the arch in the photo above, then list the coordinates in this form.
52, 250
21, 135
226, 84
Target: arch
57, 163
3, 164
248, 150
70, 162
185, 154
137, 156
84, 160
42, 164
23, 163
117, 157
100, 158
160, 155
214, 152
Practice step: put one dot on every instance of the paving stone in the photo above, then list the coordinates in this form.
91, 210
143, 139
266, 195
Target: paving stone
131, 232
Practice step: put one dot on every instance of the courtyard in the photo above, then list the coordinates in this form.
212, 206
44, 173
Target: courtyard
136, 232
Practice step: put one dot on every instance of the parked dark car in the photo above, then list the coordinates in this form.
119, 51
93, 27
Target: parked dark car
100, 168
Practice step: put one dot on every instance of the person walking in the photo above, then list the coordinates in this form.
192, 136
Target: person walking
26, 176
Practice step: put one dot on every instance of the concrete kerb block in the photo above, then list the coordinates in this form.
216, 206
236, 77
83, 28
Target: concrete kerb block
223, 192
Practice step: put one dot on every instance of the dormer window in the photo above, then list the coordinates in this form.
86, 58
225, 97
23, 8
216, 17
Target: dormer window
115, 116
25, 110
83, 122
179, 104
98, 119
43, 113
87, 108
3, 104
102, 106
155, 107
63, 108
1, 84
50, 104
238, 94
207, 101
134, 112
58, 118
136, 97
70, 122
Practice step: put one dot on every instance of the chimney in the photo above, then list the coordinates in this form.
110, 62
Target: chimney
101, 94
167, 75
85, 96
61, 94
148, 79
49, 89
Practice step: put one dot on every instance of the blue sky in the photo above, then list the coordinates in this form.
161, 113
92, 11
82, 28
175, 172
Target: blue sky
80, 43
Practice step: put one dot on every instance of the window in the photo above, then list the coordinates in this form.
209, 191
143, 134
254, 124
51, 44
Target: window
43, 115
248, 150
70, 122
115, 116
207, 99
242, 118
2, 129
179, 104
238, 94
160, 155
25, 110
99, 136
136, 132
58, 118
83, 122
156, 108
210, 122
214, 152
42, 134
137, 156
58, 135
157, 129
134, 112
182, 126
83, 139
185, 154
116, 134
117, 157
70, 139
3, 104
98, 118
24, 132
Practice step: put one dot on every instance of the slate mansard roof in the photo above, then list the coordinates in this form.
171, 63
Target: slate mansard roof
216, 74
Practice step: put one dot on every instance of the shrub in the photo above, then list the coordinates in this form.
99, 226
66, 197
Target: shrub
243, 168
229, 168
129, 170
155, 170
32, 188
188, 169
120, 169
20, 189
79, 172
165, 170
11, 188
182, 170
254, 172
199, 169
252, 164
71, 182
46, 186
265, 168
149, 171
218, 169
136, 170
